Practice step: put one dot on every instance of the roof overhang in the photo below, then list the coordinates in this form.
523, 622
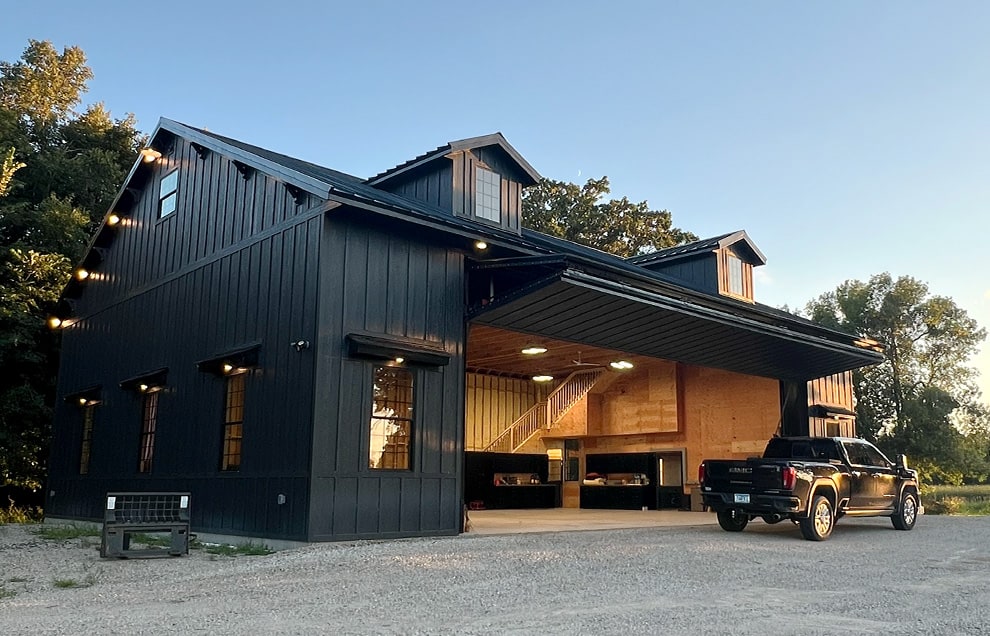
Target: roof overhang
605, 311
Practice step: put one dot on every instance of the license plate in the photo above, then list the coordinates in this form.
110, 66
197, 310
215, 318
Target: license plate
740, 498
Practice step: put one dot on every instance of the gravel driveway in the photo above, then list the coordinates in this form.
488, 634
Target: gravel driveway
866, 579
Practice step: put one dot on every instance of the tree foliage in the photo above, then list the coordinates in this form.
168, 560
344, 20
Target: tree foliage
59, 172
583, 214
912, 401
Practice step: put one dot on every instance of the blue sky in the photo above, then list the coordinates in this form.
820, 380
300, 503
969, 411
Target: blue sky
847, 138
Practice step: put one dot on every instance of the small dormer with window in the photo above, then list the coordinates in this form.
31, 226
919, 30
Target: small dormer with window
719, 265
480, 179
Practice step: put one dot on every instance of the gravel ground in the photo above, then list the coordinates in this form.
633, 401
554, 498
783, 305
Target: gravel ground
866, 579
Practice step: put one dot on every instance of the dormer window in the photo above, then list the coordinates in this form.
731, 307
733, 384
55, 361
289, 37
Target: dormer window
168, 194
735, 275
488, 195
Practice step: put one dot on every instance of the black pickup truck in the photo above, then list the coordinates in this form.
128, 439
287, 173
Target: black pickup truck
812, 481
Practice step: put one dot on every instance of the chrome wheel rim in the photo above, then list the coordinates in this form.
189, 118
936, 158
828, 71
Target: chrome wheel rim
910, 510
823, 519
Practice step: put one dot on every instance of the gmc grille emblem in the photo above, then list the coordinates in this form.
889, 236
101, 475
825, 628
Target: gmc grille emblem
736, 469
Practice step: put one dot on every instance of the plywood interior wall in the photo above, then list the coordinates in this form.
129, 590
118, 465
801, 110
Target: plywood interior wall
644, 401
492, 403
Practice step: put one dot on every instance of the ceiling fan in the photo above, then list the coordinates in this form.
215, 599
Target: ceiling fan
579, 364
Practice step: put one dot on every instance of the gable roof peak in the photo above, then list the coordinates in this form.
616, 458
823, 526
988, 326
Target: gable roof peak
493, 139
751, 252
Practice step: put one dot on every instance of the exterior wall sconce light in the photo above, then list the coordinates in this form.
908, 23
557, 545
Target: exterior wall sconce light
481, 245
54, 322
300, 345
143, 388
621, 365
113, 220
400, 360
150, 154
227, 367
542, 378
82, 274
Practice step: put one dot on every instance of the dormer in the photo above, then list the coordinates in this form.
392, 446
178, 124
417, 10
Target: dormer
480, 179
719, 265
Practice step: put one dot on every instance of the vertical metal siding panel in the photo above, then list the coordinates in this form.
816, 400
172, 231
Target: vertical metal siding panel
345, 505
389, 504
416, 316
369, 502
397, 290
430, 505
377, 280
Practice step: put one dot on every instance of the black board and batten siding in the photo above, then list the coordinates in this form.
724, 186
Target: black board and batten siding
700, 272
387, 283
236, 263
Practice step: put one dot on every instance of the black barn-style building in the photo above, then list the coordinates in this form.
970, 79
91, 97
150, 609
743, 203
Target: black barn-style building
289, 343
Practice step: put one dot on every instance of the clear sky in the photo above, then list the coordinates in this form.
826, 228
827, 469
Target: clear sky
848, 138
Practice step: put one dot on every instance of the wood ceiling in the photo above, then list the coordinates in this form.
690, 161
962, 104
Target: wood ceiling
492, 350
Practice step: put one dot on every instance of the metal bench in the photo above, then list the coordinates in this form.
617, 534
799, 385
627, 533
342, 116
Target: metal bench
129, 513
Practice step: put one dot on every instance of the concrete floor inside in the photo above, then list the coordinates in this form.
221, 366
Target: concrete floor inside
571, 519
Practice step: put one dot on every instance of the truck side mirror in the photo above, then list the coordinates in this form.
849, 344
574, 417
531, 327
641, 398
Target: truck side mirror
901, 462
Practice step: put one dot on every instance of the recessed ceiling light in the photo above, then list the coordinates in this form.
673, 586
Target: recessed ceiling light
54, 322
113, 219
82, 274
542, 378
621, 365
534, 349
481, 245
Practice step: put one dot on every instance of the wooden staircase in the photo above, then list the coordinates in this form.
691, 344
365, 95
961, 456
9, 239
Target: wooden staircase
544, 415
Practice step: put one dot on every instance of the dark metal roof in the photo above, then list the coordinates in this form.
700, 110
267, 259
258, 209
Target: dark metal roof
678, 252
495, 139
675, 321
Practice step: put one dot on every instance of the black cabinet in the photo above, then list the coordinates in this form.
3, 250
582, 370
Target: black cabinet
630, 497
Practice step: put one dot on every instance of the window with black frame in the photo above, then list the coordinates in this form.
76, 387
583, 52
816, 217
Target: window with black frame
233, 422
149, 422
391, 426
88, 411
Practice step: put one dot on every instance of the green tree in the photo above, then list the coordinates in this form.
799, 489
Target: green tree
920, 399
43, 85
928, 341
583, 214
59, 172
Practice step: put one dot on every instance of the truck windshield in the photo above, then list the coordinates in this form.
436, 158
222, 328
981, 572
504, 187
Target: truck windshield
816, 449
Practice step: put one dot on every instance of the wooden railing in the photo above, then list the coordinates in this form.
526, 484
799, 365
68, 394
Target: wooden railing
543, 415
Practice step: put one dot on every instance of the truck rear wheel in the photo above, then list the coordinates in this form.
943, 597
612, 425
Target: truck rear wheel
907, 512
818, 525
732, 520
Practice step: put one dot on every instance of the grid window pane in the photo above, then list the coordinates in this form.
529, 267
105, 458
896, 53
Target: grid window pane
149, 421
735, 275
391, 419
233, 427
87, 438
487, 195
167, 194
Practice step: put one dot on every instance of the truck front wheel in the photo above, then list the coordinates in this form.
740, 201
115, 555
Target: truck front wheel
907, 512
732, 520
818, 525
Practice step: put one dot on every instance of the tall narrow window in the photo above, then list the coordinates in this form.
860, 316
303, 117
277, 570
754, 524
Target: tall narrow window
149, 421
488, 195
735, 275
392, 419
233, 423
168, 194
88, 411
